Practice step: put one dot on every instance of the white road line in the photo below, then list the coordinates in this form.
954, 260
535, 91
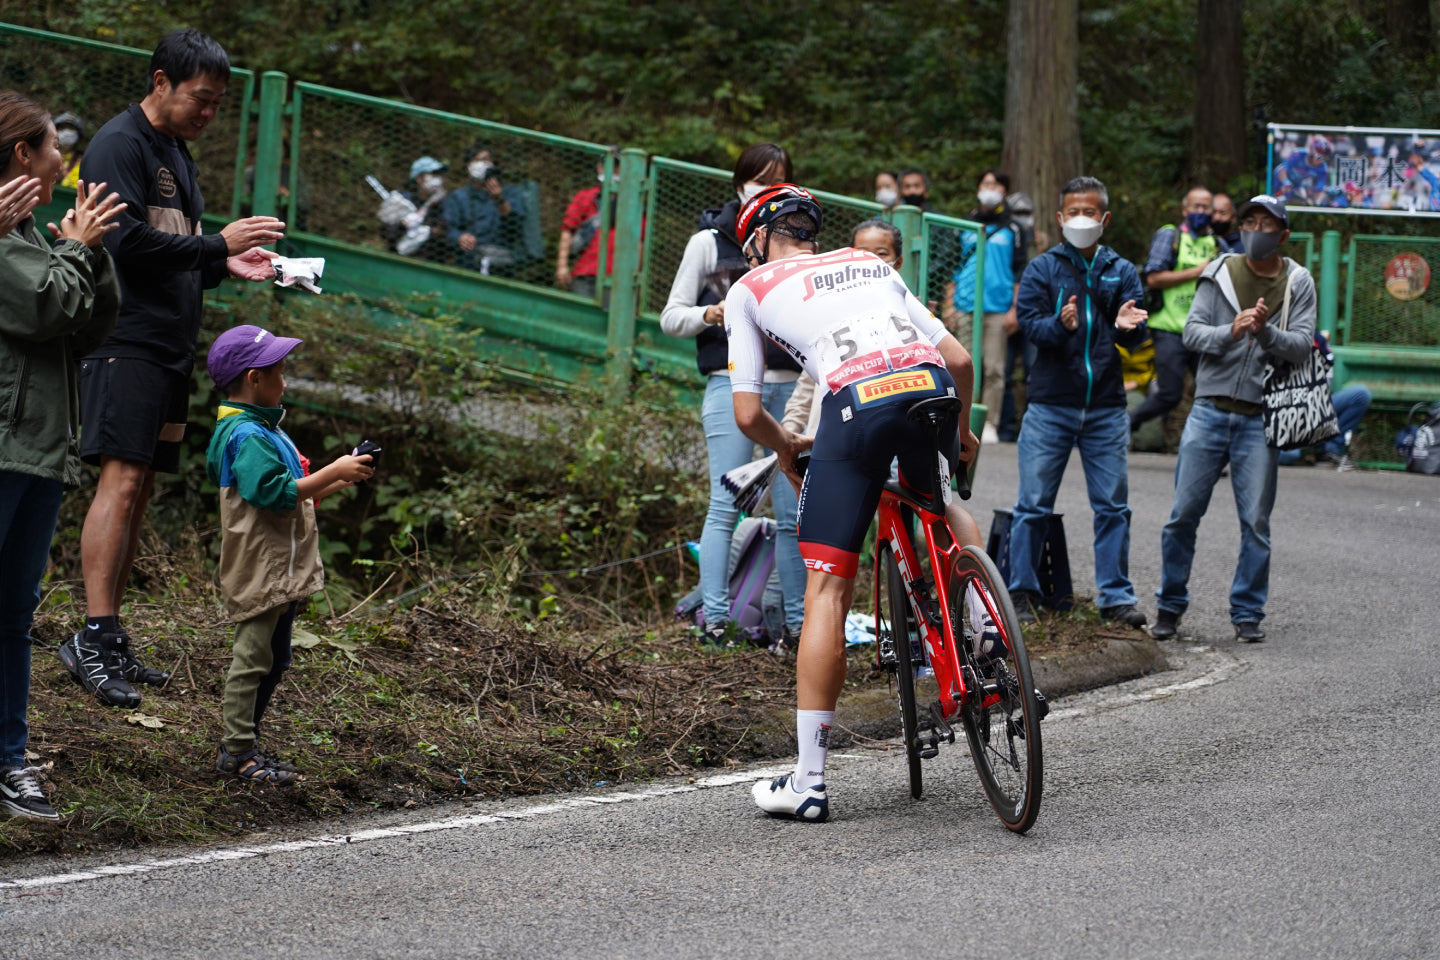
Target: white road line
386, 833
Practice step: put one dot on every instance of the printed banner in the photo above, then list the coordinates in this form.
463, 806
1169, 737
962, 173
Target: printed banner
1355, 169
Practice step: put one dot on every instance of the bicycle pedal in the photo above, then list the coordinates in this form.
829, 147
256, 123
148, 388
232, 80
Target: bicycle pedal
929, 746
937, 719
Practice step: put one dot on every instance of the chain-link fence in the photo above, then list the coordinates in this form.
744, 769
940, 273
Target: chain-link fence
349, 152
680, 192
95, 81
1391, 297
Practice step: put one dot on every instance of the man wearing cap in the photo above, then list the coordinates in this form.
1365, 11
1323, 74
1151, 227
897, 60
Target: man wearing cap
1249, 308
135, 388
420, 231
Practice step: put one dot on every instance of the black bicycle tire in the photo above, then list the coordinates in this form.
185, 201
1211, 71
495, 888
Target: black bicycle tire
899, 617
1017, 813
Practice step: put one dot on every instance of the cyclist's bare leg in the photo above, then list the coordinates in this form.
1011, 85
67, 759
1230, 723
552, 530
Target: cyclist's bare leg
820, 660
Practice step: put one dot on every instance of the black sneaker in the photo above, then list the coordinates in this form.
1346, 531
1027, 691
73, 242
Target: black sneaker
1249, 632
1126, 613
20, 794
134, 670
1027, 605
1167, 622
788, 643
97, 669
721, 635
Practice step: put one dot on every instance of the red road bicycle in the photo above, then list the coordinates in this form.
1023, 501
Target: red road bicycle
946, 630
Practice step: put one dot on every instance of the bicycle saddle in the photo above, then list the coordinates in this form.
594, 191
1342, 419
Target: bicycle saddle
934, 406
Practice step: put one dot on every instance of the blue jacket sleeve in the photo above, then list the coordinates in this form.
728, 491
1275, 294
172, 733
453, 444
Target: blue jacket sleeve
1037, 309
1162, 251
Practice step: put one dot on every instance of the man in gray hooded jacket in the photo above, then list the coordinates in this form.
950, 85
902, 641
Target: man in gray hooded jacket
1248, 309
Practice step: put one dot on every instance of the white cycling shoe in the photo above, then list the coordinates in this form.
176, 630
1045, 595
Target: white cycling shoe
777, 798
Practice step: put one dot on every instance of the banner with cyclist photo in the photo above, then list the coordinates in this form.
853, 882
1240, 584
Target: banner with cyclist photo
1375, 170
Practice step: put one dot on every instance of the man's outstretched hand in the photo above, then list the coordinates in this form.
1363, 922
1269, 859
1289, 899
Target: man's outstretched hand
254, 264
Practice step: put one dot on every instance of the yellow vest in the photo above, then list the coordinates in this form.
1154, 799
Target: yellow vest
1176, 300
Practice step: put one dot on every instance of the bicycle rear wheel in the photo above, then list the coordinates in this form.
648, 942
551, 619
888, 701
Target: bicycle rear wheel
1000, 713
895, 623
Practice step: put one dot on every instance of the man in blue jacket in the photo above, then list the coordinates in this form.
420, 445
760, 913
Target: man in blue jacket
1077, 301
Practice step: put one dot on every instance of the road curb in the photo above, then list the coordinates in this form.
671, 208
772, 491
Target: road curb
872, 714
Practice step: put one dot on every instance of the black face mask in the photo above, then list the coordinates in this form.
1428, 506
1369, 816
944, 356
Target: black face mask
914, 199
1221, 227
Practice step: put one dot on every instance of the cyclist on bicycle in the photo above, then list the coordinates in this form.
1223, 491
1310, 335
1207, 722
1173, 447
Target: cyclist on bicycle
850, 321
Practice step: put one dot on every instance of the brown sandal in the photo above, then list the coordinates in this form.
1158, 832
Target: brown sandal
253, 766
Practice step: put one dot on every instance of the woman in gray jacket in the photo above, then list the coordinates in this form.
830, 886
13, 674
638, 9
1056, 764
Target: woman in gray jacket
56, 304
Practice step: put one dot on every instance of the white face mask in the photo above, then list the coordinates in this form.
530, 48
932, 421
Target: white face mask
990, 199
749, 190
1082, 232
479, 169
886, 196
68, 137
430, 182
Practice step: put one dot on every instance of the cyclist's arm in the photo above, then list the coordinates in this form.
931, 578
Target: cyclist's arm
962, 370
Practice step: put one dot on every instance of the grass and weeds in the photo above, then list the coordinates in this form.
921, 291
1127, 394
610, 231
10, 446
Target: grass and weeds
496, 619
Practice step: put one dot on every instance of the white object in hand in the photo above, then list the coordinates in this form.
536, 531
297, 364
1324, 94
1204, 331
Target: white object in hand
300, 272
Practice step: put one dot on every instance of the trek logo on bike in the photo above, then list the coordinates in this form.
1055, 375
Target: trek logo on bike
893, 385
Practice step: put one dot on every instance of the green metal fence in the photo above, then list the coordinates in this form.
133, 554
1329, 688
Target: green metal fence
337, 139
304, 151
97, 80
1388, 301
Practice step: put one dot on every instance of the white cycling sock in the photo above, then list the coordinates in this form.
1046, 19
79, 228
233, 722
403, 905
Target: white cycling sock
812, 728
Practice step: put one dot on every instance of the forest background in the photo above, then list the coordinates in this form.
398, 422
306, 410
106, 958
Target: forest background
1149, 95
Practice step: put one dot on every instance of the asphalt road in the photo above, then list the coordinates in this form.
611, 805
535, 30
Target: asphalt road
1271, 800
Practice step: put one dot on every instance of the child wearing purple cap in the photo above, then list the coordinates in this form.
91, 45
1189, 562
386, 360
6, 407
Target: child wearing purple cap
269, 552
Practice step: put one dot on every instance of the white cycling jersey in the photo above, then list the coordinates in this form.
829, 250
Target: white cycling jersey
844, 316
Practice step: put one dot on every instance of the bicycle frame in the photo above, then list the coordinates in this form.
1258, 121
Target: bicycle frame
938, 633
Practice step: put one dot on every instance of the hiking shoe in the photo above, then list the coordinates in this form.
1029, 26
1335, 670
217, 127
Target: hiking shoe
132, 669
252, 766
777, 798
1249, 632
788, 643
1126, 613
1027, 605
721, 635
20, 794
97, 669
1167, 622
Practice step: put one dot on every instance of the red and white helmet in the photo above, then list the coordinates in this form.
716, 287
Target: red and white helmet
772, 203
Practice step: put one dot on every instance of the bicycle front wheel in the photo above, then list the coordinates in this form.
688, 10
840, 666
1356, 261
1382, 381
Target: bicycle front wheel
1000, 712
895, 622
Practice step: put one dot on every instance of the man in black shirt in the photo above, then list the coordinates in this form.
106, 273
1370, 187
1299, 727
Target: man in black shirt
135, 388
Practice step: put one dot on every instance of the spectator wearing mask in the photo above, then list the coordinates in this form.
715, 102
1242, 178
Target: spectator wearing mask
887, 189
71, 130
421, 231
1004, 254
580, 234
1235, 328
1077, 303
696, 308
1222, 224
486, 218
1178, 255
944, 243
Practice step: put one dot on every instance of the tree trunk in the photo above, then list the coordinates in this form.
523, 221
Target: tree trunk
1218, 151
1042, 126
1407, 28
